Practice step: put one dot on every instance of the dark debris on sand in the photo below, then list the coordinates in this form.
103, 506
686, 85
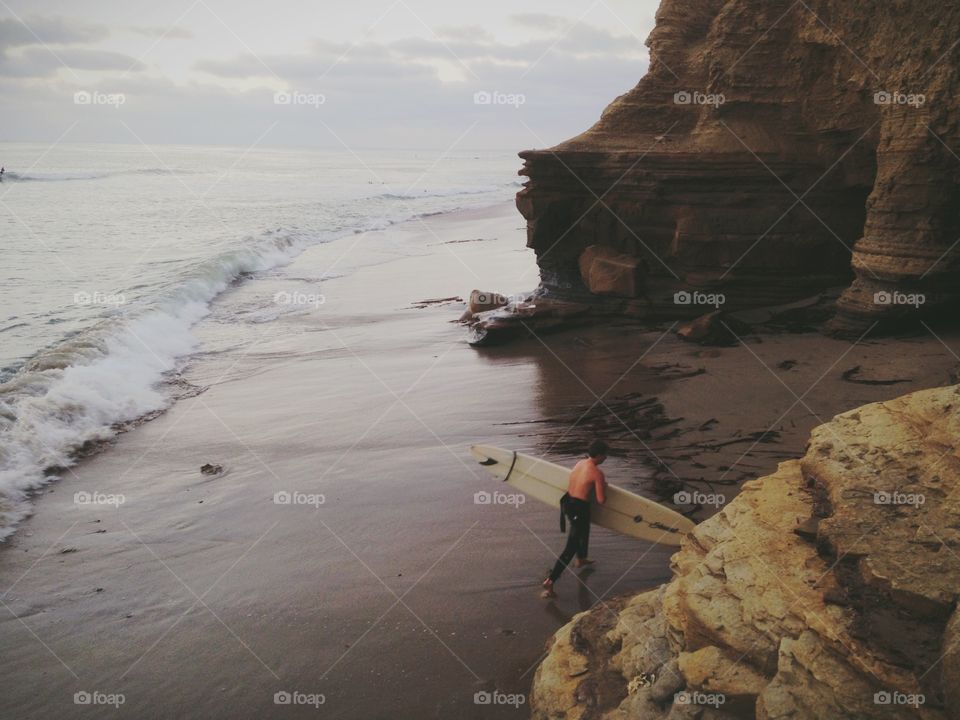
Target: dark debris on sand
676, 453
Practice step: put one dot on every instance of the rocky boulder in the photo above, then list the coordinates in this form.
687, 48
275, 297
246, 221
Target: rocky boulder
825, 590
607, 272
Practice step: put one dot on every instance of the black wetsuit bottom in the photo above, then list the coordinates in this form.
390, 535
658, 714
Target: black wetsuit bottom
578, 512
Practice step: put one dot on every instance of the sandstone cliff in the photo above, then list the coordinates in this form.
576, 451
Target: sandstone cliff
774, 149
826, 590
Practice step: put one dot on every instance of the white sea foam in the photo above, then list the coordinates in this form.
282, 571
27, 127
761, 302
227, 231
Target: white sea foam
73, 371
413, 194
77, 392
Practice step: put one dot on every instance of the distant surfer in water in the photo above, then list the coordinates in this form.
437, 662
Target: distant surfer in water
586, 477
2, 171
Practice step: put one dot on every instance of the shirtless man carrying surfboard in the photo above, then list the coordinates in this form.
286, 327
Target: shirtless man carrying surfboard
586, 477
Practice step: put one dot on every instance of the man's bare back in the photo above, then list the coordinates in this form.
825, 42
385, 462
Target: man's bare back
584, 477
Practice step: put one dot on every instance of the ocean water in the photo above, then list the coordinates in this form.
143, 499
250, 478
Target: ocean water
112, 254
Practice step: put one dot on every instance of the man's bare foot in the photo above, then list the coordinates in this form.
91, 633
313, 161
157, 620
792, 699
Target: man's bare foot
584, 562
548, 589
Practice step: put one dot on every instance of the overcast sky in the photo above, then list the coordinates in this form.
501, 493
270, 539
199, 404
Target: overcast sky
366, 73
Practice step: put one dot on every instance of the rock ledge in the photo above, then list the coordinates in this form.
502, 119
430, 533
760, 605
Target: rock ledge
825, 590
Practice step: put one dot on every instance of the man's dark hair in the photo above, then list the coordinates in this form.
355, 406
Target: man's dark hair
597, 448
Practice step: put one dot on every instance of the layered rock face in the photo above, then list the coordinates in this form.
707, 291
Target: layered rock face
774, 149
825, 590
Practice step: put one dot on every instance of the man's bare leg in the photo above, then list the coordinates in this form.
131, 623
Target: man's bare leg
548, 589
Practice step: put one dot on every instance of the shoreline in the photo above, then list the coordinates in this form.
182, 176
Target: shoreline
200, 594
310, 405
170, 384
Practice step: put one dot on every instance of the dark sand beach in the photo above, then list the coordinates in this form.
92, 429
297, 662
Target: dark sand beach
397, 596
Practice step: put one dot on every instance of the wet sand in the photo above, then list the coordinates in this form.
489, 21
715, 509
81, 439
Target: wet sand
398, 596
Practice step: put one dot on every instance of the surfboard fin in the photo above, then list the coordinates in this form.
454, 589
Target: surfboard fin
488, 461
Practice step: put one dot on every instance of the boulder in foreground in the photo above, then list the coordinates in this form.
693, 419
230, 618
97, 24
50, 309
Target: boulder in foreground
825, 590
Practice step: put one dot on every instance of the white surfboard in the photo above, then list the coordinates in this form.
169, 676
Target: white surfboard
624, 512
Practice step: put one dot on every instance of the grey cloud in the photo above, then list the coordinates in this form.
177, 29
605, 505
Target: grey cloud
471, 33
390, 91
38, 30
540, 21
563, 96
38, 62
583, 38
342, 51
428, 49
242, 66
171, 33
407, 56
105, 60
327, 60
359, 69
46, 45
285, 67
